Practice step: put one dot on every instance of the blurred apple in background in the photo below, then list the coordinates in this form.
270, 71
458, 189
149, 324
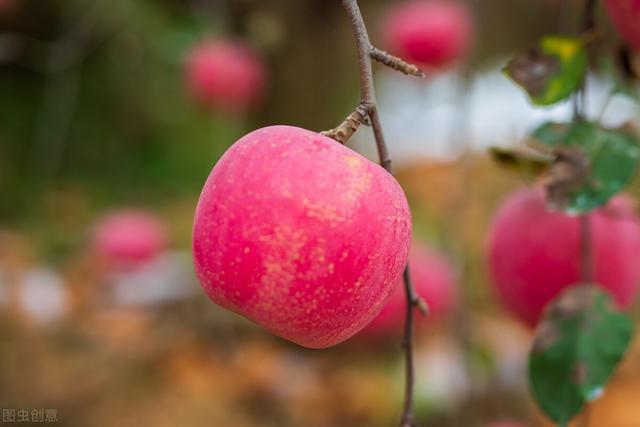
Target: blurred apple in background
301, 235
430, 33
625, 15
434, 279
225, 74
534, 254
129, 237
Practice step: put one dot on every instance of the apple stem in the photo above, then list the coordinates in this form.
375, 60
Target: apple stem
350, 125
366, 52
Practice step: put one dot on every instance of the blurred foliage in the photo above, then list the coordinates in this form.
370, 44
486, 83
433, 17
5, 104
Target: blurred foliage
113, 118
576, 349
611, 155
552, 71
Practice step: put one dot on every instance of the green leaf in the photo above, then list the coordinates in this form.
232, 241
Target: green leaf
551, 71
612, 157
551, 133
576, 349
527, 162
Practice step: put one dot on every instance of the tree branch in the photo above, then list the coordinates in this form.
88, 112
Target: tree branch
586, 250
407, 345
368, 99
587, 262
589, 22
350, 125
587, 265
396, 63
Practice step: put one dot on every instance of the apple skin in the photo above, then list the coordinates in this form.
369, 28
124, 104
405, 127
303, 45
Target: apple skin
625, 15
534, 254
430, 33
301, 235
225, 74
128, 237
433, 278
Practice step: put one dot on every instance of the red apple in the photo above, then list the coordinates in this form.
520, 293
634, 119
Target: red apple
431, 33
129, 237
225, 74
433, 278
625, 15
301, 235
535, 254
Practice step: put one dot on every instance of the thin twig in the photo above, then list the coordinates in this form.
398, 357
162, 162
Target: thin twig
396, 63
589, 21
586, 250
368, 99
588, 32
350, 125
587, 260
407, 345
367, 89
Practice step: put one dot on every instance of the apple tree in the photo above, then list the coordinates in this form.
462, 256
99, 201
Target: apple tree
581, 336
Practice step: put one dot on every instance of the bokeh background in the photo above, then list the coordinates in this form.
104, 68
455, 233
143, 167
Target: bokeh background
94, 117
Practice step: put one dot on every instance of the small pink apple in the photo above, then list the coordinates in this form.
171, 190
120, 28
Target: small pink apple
625, 15
301, 235
128, 237
431, 33
534, 254
225, 74
433, 278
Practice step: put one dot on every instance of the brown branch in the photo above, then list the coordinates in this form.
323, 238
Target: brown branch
395, 63
587, 261
589, 22
367, 89
588, 32
407, 344
368, 99
350, 125
587, 275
